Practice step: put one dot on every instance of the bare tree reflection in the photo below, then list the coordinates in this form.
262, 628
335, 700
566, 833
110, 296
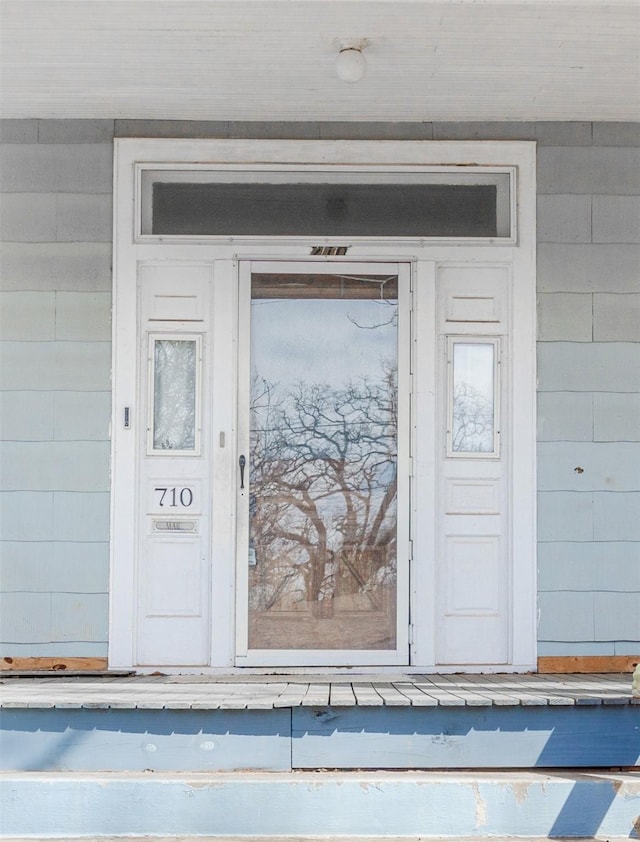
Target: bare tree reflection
472, 420
323, 507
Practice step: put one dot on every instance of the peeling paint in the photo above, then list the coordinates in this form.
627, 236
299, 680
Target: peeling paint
520, 791
481, 807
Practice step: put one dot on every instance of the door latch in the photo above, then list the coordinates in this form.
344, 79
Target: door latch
242, 462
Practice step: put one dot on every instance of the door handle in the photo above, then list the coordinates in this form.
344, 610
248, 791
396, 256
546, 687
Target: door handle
242, 462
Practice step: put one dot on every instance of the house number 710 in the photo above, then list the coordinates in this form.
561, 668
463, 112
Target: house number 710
175, 498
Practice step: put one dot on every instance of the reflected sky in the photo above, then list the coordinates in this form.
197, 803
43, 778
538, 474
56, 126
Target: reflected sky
322, 341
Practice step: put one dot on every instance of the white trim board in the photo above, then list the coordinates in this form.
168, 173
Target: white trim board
426, 258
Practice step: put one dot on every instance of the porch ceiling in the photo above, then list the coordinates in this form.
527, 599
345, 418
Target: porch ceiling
428, 60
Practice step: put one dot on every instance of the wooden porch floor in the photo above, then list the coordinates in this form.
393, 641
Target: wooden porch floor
258, 692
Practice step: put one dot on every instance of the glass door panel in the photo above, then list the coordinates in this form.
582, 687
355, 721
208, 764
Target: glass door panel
322, 466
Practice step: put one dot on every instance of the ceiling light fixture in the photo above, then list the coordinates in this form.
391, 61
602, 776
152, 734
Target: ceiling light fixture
351, 65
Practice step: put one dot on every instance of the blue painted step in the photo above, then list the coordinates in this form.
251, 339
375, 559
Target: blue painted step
298, 804
319, 738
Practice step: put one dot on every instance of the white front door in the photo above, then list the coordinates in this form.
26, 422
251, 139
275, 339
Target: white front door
323, 469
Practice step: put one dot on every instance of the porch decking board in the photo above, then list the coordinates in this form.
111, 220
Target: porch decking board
262, 693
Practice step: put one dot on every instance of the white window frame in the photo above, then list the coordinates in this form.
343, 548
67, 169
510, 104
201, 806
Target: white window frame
130, 248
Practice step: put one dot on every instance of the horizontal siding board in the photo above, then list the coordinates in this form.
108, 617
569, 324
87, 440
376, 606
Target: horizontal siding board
18, 131
60, 416
56, 168
616, 516
25, 618
75, 131
565, 648
29, 218
598, 566
616, 318
589, 367
56, 266
566, 616
56, 567
55, 466
616, 417
56, 365
565, 516
80, 516
616, 134
77, 616
567, 267
616, 219
597, 169
565, 316
28, 316
627, 647
564, 219
27, 416
617, 615
82, 416
574, 133
565, 416
83, 316
26, 515
84, 218
57, 650
588, 466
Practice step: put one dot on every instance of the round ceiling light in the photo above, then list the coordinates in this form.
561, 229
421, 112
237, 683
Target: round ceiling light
351, 65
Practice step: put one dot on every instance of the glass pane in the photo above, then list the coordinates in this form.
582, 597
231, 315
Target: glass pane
323, 463
473, 397
321, 204
174, 394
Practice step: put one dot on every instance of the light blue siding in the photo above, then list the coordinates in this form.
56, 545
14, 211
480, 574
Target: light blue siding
589, 367
565, 316
55, 566
566, 615
55, 325
565, 416
616, 417
565, 516
26, 515
616, 516
77, 366
56, 266
83, 316
616, 318
55, 466
27, 416
588, 466
82, 416
564, 219
56, 357
80, 516
566, 267
602, 566
28, 316
614, 171
56, 168
616, 219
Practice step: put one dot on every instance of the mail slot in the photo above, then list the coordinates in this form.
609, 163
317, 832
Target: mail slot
166, 525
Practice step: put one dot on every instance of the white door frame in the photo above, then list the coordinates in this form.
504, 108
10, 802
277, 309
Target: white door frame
130, 247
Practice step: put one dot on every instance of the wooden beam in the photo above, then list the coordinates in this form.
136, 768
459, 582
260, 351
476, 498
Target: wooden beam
53, 664
588, 663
